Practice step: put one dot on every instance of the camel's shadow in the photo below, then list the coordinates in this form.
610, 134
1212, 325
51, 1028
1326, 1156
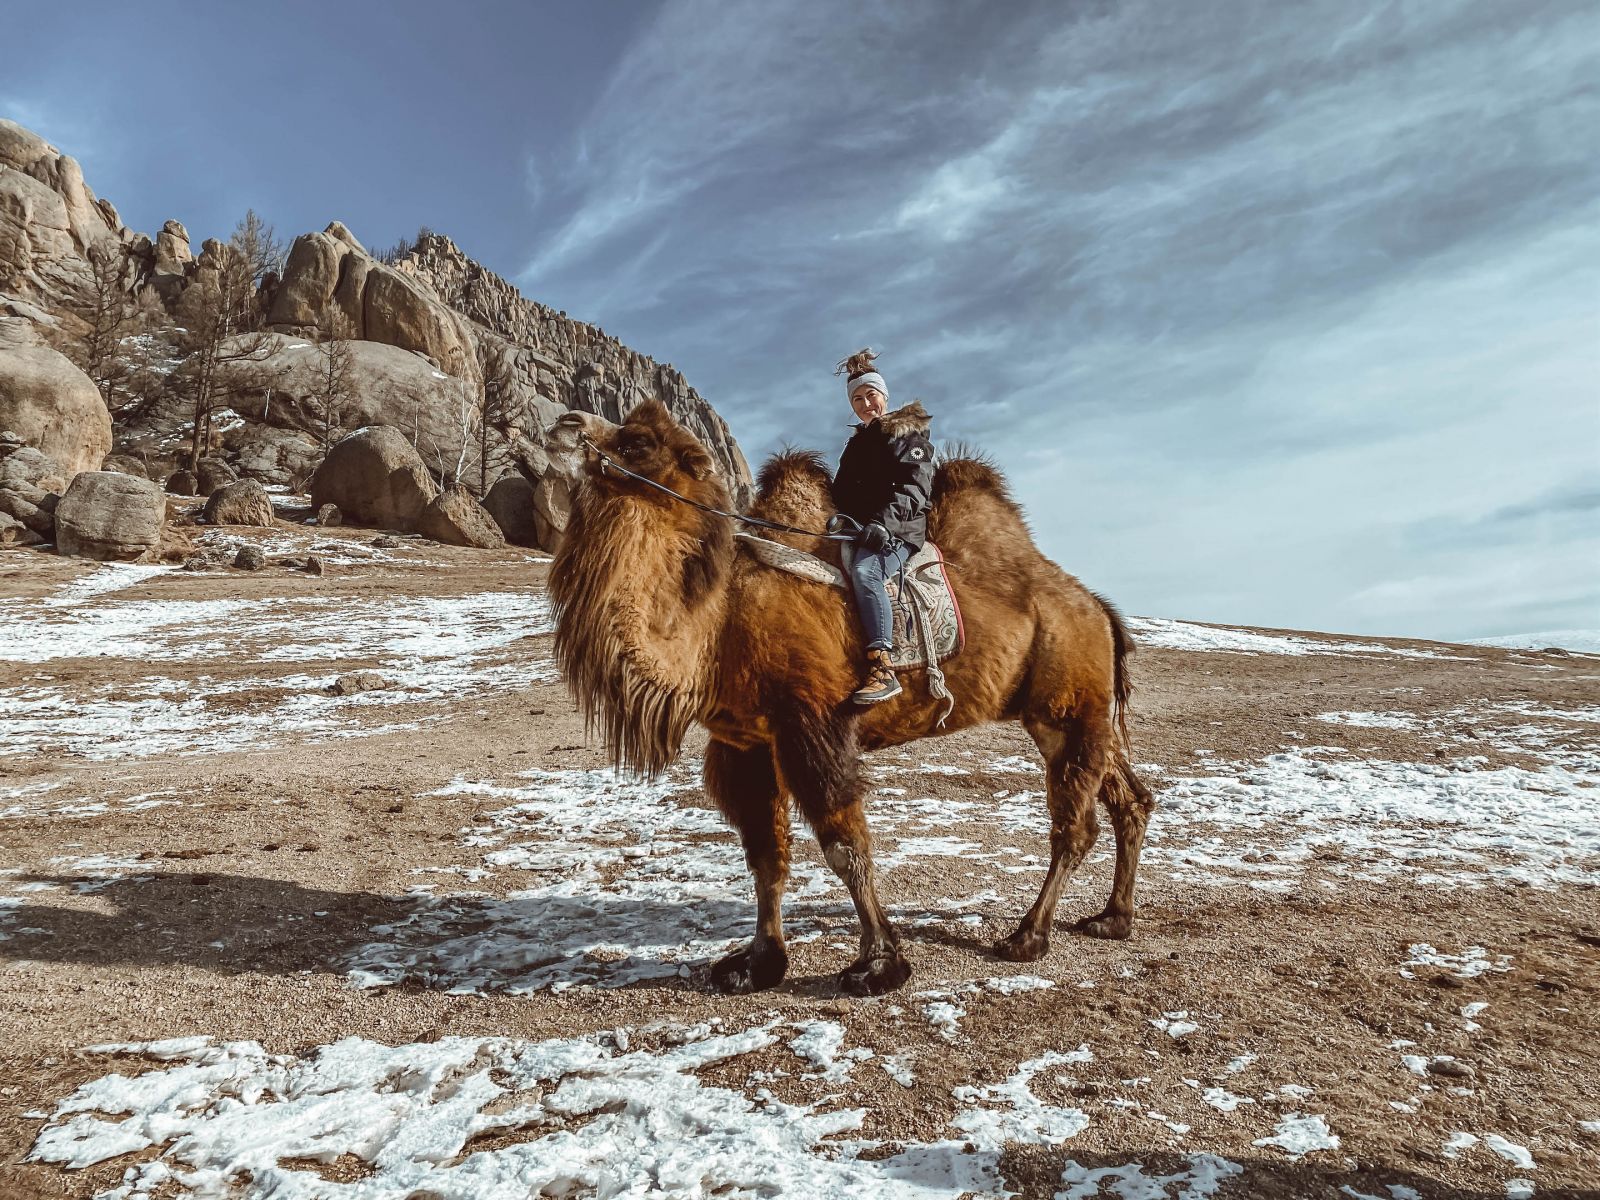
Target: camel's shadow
523, 943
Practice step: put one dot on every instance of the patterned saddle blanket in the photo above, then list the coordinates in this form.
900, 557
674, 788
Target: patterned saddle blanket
927, 616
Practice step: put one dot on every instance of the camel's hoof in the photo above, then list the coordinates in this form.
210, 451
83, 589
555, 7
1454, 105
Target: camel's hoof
751, 969
1023, 946
875, 976
1114, 927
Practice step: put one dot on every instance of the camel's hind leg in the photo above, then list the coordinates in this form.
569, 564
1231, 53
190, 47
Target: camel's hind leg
1077, 753
745, 787
1130, 804
819, 764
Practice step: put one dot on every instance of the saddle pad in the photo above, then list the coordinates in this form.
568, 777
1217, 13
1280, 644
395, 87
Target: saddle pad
927, 584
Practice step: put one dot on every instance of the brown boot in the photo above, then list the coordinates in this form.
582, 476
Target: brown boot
881, 684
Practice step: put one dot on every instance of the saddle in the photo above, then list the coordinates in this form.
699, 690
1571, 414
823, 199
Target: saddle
927, 616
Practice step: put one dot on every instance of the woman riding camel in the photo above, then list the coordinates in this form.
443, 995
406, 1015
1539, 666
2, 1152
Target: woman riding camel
884, 483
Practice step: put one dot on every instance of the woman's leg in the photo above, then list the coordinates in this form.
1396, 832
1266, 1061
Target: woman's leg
867, 577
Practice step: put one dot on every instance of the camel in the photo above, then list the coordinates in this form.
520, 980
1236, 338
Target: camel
662, 622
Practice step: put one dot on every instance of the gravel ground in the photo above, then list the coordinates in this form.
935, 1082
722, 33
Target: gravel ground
1365, 959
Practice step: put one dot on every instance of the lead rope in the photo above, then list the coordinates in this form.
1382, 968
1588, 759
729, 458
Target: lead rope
609, 463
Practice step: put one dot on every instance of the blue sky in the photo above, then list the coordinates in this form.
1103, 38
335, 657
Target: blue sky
1274, 314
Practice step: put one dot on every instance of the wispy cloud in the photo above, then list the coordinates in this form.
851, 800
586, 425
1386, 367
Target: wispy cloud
1238, 293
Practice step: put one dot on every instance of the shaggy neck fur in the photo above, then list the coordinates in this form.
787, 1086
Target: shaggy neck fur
640, 592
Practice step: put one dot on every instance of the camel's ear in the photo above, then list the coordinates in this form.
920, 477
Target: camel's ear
696, 461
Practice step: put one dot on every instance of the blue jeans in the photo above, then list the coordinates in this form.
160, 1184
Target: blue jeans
868, 572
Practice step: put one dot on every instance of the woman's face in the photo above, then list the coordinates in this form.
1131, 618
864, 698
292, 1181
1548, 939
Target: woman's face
869, 403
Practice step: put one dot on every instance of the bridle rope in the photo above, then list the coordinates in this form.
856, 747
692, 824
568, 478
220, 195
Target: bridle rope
607, 462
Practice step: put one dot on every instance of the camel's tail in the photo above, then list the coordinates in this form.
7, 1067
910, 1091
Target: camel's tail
1122, 646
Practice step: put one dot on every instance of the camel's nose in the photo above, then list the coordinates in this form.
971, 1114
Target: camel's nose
572, 426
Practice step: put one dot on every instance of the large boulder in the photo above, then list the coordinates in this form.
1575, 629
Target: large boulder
212, 473
127, 464
457, 519
242, 502
376, 477
49, 402
280, 439
106, 515
510, 503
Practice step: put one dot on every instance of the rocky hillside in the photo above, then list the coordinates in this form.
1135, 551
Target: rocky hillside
433, 343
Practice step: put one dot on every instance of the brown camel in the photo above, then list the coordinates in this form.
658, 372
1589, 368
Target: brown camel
662, 621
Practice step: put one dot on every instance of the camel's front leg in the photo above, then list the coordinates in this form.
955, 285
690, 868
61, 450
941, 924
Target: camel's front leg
820, 765
745, 787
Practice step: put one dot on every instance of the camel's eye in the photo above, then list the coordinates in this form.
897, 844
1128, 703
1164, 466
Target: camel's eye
635, 446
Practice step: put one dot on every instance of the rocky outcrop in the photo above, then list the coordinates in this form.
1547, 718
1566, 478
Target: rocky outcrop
30, 487
107, 515
329, 276
456, 519
565, 362
424, 332
243, 502
48, 219
49, 402
376, 478
510, 503
280, 439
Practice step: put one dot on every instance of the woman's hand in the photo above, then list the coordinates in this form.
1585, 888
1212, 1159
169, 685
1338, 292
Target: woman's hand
874, 539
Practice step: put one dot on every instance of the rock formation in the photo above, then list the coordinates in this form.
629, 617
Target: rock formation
48, 402
108, 515
435, 347
375, 477
456, 519
242, 502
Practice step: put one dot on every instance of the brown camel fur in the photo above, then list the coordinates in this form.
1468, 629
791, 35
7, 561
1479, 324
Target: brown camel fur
662, 621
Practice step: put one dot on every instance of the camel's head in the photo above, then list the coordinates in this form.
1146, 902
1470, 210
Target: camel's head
648, 443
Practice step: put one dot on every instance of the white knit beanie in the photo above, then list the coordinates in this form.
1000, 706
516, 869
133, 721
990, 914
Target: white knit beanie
867, 379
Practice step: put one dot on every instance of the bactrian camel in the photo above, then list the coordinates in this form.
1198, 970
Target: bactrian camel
662, 622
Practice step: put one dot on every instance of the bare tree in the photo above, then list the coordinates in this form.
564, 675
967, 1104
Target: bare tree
494, 402
335, 371
219, 318
105, 311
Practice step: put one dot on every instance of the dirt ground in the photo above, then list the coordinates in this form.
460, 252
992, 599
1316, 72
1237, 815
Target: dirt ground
1370, 896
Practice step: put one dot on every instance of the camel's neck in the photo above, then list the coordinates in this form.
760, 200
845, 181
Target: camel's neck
640, 603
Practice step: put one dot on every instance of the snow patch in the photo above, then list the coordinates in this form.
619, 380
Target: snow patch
1298, 1136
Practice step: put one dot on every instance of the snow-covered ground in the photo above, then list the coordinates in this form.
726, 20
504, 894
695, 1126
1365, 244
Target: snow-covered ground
1583, 641
429, 650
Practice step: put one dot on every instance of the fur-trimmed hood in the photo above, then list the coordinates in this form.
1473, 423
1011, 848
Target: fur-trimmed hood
909, 418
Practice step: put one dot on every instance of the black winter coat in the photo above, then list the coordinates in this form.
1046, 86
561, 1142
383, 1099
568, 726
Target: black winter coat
886, 474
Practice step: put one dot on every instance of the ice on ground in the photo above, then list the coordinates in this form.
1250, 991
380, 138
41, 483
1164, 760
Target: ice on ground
106, 578
898, 1068
1370, 720
945, 1017
1519, 1189
1457, 1142
1174, 1024
1514, 1154
1010, 985
1199, 1180
1029, 1119
1469, 964
572, 1115
820, 1043
1429, 823
1185, 635
1235, 1065
1223, 1100
1298, 1135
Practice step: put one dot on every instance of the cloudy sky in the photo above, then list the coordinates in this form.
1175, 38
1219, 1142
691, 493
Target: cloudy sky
1275, 314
